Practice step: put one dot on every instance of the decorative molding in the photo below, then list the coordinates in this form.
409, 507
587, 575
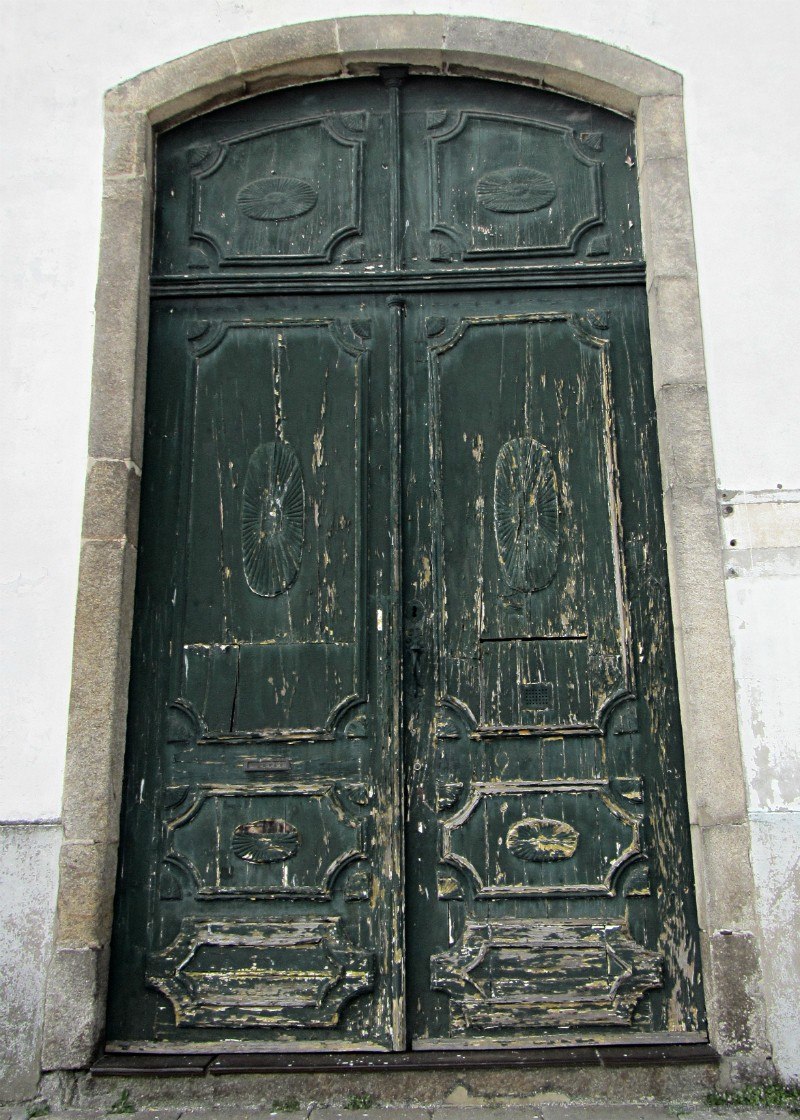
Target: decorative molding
321, 973
515, 190
526, 514
542, 840
512, 191
277, 199
273, 519
267, 841
580, 972
600, 864
339, 843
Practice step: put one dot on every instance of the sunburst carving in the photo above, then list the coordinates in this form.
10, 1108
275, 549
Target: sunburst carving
542, 840
276, 199
268, 841
273, 519
515, 190
526, 514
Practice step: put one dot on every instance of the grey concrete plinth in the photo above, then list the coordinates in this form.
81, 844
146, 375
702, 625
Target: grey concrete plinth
401, 1094
28, 877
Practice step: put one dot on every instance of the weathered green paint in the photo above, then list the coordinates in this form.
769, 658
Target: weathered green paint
404, 759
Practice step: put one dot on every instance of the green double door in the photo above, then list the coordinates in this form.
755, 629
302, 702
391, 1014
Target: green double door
404, 759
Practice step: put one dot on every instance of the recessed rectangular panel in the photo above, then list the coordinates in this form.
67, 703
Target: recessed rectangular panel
288, 193
276, 494
284, 840
514, 175
548, 839
526, 525
507, 185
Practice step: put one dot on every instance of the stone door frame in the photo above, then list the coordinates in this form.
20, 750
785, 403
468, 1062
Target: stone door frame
294, 55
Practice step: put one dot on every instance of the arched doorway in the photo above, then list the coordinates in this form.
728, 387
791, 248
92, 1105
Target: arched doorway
404, 763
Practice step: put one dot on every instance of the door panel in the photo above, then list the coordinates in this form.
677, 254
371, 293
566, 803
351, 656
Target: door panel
495, 176
525, 530
538, 751
268, 185
272, 838
282, 585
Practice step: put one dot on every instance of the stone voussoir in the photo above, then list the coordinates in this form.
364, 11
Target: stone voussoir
659, 128
667, 219
727, 876
406, 38
495, 46
676, 331
183, 83
111, 504
684, 436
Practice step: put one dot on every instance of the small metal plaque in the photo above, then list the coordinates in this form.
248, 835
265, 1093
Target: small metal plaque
267, 765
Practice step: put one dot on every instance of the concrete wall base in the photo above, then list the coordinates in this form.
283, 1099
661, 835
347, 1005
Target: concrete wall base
28, 881
429, 1088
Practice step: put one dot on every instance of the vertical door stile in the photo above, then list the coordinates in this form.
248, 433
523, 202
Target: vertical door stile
395, 844
393, 77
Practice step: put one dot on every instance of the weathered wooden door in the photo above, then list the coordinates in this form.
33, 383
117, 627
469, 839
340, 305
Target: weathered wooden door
404, 764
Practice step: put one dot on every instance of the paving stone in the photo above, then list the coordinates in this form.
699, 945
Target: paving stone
488, 1111
607, 1112
265, 1112
728, 1113
99, 1114
373, 1113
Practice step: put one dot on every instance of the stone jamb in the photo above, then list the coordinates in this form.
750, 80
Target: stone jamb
290, 56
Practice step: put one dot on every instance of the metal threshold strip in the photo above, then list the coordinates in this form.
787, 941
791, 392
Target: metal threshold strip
690, 1048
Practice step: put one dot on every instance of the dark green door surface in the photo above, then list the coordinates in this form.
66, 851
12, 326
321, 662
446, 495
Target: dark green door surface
404, 765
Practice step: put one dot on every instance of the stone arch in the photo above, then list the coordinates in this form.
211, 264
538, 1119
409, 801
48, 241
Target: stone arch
293, 55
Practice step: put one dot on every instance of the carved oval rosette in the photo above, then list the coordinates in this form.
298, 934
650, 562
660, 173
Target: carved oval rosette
526, 514
273, 519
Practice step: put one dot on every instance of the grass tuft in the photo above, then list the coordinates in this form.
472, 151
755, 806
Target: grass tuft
286, 1104
123, 1104
357, 1101
768, 1094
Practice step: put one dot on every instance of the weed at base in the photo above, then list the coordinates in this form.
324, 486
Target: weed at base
123, 1104
357, 1101
286, 1104
769, 1094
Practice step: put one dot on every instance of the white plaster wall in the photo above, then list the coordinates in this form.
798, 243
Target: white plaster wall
739, 64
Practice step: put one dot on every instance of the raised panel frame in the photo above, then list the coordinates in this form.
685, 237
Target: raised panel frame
353, 339
443, 337
442, 133
206, 162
